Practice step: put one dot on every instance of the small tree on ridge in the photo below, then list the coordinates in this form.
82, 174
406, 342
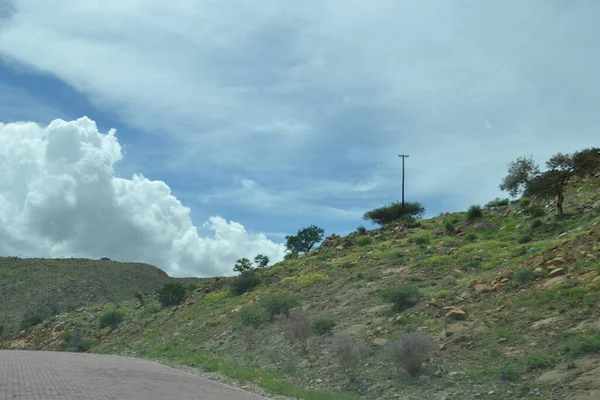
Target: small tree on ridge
305, 239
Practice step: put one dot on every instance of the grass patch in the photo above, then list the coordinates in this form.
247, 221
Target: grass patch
304, 281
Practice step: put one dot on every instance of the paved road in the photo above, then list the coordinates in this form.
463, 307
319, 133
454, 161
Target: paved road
41, 375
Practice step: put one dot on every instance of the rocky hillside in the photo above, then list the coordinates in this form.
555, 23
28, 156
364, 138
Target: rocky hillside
510, 299
37, 288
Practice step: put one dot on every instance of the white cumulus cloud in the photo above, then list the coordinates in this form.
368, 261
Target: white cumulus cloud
59, 197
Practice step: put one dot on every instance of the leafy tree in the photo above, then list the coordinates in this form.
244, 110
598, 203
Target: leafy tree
394, 212
304, 241
550, 184
586, 162
520, 172
171, 294
242, 265
261, 261
525, 177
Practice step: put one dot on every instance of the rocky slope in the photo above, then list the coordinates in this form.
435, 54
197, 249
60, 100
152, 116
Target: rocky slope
511, 300
48, 286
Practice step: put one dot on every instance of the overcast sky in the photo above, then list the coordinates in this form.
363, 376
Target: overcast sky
238, 122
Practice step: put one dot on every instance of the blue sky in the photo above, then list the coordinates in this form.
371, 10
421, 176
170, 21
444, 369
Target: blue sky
277, 115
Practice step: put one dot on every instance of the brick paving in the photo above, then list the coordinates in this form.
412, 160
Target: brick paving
42, 375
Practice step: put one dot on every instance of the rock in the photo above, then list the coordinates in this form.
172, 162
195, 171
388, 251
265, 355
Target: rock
539, 269
537, 261
457, 313
545, 322
442, 251
498, 287
380, 342
504, 280
502, 340
449, 281
554, 281
482, 288
557, 272
555, 261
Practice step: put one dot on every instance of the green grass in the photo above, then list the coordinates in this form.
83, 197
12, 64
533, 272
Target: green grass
67, 284
340, 290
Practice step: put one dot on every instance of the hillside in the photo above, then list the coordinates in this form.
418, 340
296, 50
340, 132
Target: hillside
42, 287
511, 300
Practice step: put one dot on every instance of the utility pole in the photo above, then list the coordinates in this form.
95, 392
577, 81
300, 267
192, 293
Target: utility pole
403, 157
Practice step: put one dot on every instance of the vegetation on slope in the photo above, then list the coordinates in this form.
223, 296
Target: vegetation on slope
33, 289
501, 300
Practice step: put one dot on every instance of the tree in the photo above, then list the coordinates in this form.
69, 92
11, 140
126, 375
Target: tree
525, 177
395, 212
305, 239
242, 265
171, 294
261, 261
586, 162
550, 184
520, 172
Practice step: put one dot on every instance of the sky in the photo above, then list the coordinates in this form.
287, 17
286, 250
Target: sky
190, 133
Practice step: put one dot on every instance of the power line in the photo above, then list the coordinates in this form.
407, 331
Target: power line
535, 10
531, 39
513, 35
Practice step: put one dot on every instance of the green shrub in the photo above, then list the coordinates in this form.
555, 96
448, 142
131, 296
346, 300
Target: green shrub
364, 241
474, 212
535, 211
497, 202
508, 374
422, 239
244, 282
402, 297
471, 237
171, 294
541, 361
279, 304
323, 326
110, 319
66, 336
1, 330
30, 320
251, 316
536, 223
394, 212
361, 230
583, 345
524, 276
449, 226
524, 239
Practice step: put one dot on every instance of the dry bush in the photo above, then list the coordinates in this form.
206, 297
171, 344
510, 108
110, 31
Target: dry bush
410, 350
251, 337
347, 354
296, 328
